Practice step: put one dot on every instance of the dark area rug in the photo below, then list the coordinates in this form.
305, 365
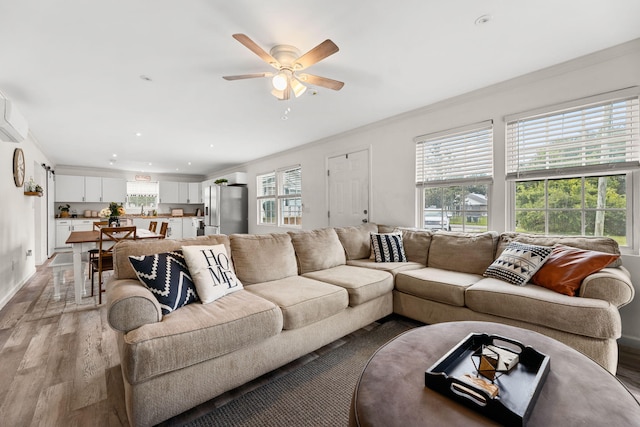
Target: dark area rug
316, 394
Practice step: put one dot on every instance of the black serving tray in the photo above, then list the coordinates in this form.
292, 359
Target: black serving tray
519, 388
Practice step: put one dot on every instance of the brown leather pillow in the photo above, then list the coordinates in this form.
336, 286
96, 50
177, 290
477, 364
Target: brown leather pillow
566, 268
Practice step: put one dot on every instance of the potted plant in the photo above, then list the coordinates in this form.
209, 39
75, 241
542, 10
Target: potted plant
221, 181
64, 210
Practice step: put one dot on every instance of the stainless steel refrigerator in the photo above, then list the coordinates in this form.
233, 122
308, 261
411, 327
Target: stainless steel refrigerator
226, 210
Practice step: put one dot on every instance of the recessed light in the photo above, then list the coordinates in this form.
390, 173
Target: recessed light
210, 145
150, 164
483, 19
138, 134
189, 163
114, 155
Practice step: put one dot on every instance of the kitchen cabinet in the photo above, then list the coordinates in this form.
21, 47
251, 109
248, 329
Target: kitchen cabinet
65, 226
94, 189
169, 192
69, 188
174, 231
188, 229
195, 192
180, 192
183, 192
114, 190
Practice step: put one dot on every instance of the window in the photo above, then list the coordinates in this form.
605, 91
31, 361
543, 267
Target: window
454, 171
141, 194
572, 167
280, 197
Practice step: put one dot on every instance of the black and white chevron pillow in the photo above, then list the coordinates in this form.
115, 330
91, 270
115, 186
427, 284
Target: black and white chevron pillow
167, 277
388, 247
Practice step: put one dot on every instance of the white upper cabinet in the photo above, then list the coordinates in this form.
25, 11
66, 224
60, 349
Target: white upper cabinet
195, 192
183, 192
169, 192
92, 189
114, 190
71, 188
180, 192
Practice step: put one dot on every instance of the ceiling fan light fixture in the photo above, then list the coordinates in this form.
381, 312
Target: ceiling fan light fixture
280, 81
297, 87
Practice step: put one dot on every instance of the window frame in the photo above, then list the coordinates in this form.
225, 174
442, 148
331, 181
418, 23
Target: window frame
630, 167
279, 197
456, 137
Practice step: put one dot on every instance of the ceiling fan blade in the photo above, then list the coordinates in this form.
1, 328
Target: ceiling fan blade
318, 53
253, 47
247, 76
321, 81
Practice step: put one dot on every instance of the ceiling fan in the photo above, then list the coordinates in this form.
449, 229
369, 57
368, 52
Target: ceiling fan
288, 61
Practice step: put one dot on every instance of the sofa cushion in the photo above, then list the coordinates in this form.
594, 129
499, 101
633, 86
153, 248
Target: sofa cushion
567, 267
387, 247
302, 300
212, 271
263, 257
167, 277
540, 306
518, 263
600, 244
317, 249
198, 332
356, 240
416, 244
391, 267
122, 268
362, 284
436, 284
462, 252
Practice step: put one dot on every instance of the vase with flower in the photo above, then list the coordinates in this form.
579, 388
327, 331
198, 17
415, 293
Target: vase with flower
113, 212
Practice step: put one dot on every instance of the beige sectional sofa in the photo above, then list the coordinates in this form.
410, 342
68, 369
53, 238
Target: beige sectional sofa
306, 289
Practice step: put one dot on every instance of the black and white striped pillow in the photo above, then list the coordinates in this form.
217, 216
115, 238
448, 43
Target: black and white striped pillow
387, 247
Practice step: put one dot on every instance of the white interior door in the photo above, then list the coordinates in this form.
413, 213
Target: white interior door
349, 189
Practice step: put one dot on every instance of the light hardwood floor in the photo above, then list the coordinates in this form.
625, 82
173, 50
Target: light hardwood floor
59, 363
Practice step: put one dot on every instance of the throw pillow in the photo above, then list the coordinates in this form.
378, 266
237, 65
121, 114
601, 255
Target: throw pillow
518, 263
567, 267
212, 271
387, 247
167, 277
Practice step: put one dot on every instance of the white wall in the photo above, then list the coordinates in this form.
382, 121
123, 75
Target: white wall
393, 156
17, 220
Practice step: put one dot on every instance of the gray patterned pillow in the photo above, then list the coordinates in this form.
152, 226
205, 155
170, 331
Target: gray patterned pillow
518, 263
388, 247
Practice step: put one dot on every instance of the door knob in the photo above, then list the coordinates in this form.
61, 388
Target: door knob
365, 220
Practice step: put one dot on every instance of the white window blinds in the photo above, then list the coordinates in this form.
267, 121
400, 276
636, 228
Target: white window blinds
463, 154
598, 135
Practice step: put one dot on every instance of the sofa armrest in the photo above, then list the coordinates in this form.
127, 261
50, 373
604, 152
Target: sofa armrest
609, 284
130, 305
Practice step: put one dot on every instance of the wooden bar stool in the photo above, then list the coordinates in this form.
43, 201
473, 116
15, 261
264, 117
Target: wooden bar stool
153, 225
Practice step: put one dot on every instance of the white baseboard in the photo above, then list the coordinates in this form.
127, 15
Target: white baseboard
6, 298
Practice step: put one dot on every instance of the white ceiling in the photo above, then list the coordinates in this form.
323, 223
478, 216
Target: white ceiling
73, 69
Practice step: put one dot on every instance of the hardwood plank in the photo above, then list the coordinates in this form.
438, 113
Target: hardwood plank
20, 401
53, 406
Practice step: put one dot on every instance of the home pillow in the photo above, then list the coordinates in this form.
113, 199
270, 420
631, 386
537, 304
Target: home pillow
387, 247
567, 267
167, 277
212, 271
518, 263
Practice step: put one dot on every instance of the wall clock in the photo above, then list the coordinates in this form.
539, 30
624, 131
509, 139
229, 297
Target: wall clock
18, 167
